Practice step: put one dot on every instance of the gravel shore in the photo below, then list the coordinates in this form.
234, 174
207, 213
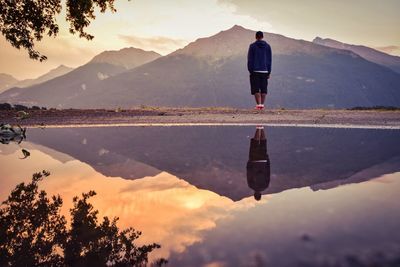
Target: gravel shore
203, 116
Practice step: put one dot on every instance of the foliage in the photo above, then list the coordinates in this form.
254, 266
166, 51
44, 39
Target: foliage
34, 233
32, 229
22, 22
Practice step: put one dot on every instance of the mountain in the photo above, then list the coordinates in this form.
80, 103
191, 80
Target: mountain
6, 81
212, 72
68, 87
368, 53
54, 73
127, 57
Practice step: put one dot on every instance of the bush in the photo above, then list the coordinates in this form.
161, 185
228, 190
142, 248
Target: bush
5, 106
20, 107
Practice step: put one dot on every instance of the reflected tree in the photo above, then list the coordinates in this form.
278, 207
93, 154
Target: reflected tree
34, 233
32, 230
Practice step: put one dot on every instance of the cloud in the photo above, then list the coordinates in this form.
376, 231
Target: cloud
60, 50
160, 44
392, 50
342, 20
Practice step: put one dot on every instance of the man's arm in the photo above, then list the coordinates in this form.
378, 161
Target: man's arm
269, 59
250, 59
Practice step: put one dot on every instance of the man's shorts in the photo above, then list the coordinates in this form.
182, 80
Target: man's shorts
259, 82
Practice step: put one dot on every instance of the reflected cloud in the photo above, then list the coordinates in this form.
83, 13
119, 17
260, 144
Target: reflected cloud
168, 210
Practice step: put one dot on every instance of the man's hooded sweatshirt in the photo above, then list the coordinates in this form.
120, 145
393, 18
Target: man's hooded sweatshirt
259, 57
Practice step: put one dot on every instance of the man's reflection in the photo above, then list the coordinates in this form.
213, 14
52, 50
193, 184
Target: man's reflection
258, 166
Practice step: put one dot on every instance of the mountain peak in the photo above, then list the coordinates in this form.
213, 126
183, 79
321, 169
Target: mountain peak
6, 81
62, 66
128, 58
237, 28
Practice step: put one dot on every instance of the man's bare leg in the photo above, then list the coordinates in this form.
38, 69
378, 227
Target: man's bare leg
263, 99
257, 96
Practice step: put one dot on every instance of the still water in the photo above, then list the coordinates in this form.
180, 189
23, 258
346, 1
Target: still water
230, 196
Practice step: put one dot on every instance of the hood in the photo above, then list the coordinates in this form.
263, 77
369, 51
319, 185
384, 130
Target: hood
261, 43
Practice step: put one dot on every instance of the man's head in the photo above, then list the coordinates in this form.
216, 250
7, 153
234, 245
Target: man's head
259, 35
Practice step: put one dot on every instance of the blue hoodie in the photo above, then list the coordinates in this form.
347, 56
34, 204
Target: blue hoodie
259, 57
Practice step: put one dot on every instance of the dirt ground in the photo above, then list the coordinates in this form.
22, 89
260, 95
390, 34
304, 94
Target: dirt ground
200, 116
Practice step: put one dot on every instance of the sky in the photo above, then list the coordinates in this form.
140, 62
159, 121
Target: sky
164, 26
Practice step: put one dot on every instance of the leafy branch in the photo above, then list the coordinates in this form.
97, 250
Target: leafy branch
25, 22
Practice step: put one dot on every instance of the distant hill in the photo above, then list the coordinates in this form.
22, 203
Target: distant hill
54, 73
6, 81
368, 53
212, 72
65, 88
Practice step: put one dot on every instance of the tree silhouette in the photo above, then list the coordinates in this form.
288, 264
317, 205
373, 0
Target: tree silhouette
32, 230
34, 233
22, 22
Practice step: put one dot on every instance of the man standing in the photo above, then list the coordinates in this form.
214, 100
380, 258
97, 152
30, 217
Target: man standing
259, 64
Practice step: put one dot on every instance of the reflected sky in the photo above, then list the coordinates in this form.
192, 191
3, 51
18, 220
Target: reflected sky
300, 227
168, 210
331, 193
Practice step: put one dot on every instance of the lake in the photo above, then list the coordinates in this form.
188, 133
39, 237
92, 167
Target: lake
229, 195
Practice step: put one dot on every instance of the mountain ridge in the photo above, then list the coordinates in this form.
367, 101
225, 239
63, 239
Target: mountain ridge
68, 86
51, 74
6, 81
211, 71
370, 54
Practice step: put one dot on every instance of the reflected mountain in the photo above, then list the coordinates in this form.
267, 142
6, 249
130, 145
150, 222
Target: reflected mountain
215, 158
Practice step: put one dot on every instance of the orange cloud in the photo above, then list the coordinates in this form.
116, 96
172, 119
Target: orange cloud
168, 210
160, 44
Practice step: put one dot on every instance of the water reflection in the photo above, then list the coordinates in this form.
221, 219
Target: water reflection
258, 166
167, 209
11, 133
186, 188
34, 233
214, 158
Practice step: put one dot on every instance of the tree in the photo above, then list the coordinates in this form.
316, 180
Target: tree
23, 22
34, 233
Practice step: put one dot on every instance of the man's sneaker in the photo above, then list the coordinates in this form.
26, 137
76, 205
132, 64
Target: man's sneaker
257, 107
261, 106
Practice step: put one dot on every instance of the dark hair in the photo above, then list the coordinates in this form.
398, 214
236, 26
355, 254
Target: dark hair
259, 34
257, 195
